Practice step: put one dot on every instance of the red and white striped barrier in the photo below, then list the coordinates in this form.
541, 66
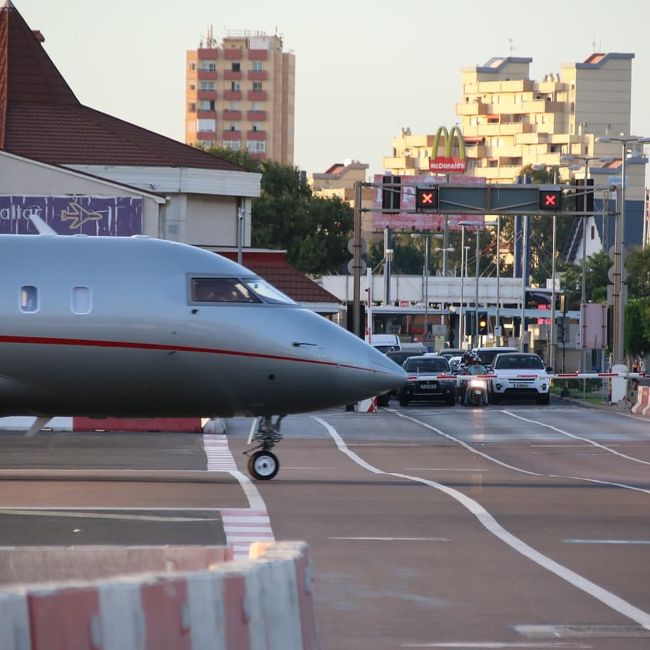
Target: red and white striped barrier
367, 405
263, 603
642, 406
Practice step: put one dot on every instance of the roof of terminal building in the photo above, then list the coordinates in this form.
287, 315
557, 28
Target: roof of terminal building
272, 265
42, 119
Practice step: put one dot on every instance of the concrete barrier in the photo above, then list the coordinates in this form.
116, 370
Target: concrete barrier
642, 406
264, 603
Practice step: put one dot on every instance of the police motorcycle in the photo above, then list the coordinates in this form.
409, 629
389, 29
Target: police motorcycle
475, 391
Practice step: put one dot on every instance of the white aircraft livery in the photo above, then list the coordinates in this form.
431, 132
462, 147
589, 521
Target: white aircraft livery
142, 327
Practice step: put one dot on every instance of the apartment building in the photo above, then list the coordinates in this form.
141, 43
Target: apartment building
240, 94
510, 121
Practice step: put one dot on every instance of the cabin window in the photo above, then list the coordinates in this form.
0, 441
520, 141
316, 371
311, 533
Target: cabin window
81, 300
221, 290
268, 292
29, 299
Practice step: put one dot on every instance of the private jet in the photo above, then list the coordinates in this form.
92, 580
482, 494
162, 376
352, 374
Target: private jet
142, 327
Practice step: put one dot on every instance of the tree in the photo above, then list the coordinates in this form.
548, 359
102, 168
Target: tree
637, 265
637, 331
598, 266
314, 231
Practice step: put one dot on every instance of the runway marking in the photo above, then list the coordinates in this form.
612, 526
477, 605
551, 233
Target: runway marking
444, 469
631, 542
91, 514
241, 526
473, 450
576, 437
391, 539
494, 644
491, 525
464, 444
591, 631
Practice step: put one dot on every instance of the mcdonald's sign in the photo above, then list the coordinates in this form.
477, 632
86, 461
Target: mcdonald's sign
448, 164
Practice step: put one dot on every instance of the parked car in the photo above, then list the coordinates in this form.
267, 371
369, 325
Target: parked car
520, 373
428, 378
385, 342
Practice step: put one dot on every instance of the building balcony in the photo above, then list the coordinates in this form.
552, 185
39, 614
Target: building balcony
234, 95
472, 108
206, 75
207, 54
258, 75
231, 135
206, 94
256, 135
206, 115
232, 53
257, 95
232, 75
231, 115
258, 55
256, 116
206, 135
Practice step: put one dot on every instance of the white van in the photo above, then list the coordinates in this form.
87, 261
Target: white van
385, 342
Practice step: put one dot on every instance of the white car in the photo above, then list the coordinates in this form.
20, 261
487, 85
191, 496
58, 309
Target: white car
520, 373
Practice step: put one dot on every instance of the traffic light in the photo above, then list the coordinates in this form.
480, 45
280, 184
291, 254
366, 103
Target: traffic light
549, 200
391, 192
426, 199
482, 323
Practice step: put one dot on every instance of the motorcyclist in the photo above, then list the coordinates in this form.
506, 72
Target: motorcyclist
474, 367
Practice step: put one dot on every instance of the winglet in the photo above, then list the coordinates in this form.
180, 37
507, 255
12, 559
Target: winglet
41, 226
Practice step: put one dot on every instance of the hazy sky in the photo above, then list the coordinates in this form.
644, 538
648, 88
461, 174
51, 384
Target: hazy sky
364, 68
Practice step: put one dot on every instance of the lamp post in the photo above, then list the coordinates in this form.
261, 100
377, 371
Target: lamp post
619, 252
477, 225
427, 236
583, 293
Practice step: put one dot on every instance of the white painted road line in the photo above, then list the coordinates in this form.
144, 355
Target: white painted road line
607, 541
491, 525
576, 437
241, 526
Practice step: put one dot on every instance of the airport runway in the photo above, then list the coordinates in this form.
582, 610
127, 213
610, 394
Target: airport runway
511, 526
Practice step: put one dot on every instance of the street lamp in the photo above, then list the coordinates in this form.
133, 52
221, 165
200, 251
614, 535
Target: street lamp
427, 236
619, 251
477, 225
583, 293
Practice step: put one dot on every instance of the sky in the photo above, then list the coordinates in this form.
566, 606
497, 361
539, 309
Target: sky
364, 68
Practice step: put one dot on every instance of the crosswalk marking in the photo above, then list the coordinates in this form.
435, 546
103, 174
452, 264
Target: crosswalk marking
241, 526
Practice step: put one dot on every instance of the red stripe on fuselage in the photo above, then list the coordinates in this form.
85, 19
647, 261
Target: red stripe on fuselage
45, 340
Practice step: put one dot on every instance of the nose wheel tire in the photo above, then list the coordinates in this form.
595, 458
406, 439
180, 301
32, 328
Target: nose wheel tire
263, 465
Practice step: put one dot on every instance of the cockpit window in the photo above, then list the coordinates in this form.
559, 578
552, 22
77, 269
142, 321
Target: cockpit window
221, 290
268, 292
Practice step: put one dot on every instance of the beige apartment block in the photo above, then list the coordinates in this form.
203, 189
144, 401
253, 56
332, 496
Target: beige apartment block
339, 180
509, 120
240, 95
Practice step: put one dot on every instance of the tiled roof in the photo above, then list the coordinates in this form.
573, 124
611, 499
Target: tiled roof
273, 267
41, 118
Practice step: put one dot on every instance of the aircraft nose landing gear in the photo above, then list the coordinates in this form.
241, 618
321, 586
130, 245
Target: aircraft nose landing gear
263, 464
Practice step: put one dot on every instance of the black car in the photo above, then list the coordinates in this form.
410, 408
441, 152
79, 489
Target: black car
428, 378
399, 357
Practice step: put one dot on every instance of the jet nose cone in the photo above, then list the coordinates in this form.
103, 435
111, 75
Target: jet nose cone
387, 374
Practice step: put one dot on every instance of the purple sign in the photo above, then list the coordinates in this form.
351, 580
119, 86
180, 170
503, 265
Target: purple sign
119, 216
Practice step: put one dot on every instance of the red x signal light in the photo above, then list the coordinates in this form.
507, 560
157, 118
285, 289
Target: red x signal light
550, 200
426, 199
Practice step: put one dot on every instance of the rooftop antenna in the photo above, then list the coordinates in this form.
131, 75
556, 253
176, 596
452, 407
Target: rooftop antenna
510, 47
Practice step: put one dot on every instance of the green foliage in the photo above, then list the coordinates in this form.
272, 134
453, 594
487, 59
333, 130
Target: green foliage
637, 265
313, 231
637, 327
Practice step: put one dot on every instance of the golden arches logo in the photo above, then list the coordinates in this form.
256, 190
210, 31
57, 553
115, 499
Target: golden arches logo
448, 164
